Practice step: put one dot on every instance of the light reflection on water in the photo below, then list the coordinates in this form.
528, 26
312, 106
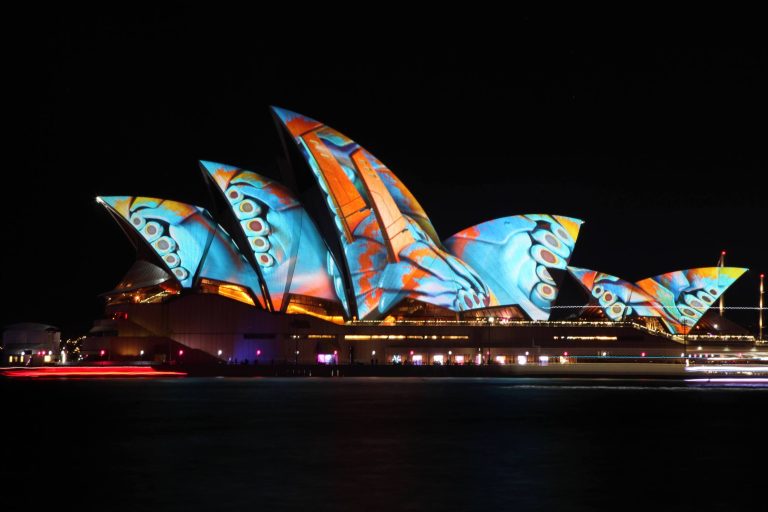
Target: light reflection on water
383, 443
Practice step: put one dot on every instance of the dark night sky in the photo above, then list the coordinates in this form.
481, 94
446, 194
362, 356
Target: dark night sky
659, 148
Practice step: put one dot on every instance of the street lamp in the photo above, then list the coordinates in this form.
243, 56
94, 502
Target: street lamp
760, 323
490, 323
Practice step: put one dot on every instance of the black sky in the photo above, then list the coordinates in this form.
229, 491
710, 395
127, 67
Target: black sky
661, 149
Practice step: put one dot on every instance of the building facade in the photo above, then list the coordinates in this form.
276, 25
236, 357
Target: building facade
340, 263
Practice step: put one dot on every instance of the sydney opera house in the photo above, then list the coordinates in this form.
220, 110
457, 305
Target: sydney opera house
339, 263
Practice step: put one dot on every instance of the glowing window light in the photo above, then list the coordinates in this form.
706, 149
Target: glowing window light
438, 359
521, 360
459, 359
501, 360
325, 358
544, 360
417, 359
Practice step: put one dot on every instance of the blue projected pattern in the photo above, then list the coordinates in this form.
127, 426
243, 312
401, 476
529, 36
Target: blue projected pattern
679, 298
390, 249
285, 242
187, 240
515, 257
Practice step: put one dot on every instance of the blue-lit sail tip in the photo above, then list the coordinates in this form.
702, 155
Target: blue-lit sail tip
284, 114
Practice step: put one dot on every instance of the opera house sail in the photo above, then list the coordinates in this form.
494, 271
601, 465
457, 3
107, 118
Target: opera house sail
351, 244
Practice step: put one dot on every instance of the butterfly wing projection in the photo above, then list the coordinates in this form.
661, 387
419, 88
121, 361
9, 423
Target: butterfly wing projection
285, 243
618, 299
679, 298
685, 295
188, 242
517, 256
388, 242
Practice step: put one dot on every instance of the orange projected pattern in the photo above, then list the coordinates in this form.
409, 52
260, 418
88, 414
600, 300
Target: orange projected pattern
395, 226
350, 205
389, 255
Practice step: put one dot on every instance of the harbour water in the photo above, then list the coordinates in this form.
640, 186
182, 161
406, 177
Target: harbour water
382, 444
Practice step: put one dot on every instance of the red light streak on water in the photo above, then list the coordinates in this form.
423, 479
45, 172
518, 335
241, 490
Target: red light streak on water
89, 371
